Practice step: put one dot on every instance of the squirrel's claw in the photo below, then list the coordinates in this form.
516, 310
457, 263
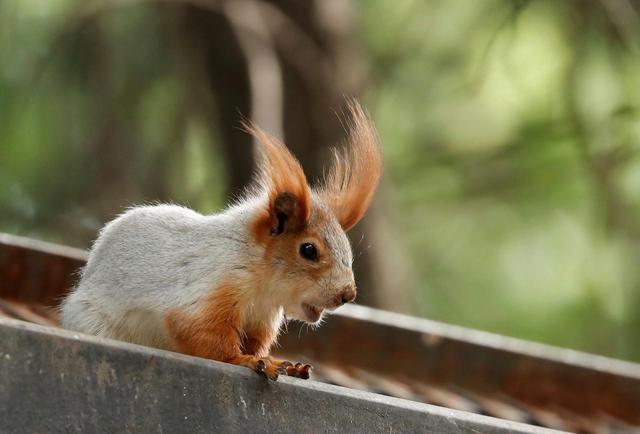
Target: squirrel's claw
304, 371
260, 366
291, 371
299, 370
270, 371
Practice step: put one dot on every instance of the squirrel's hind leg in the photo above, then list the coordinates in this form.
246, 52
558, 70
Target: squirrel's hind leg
80, 313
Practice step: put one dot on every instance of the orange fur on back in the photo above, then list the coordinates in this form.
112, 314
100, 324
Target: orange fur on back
350, 184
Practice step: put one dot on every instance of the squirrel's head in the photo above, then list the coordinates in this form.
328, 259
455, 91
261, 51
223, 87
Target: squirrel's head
307, 257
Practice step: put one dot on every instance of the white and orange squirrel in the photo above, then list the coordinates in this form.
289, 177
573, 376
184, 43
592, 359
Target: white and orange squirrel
220, 286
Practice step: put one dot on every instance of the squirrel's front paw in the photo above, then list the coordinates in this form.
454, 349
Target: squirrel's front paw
298, 370
268, 369
271, 368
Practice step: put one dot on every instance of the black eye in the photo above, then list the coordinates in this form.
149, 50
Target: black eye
308, 251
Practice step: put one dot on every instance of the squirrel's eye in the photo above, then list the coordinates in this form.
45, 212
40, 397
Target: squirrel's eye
309, 251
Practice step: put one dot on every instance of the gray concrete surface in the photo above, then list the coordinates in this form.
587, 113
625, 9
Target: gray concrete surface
54, 381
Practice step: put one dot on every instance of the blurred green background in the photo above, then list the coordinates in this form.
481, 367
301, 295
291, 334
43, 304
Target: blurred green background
510, 131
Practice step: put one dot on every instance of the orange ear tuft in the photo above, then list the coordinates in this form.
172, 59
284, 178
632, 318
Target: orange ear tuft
350, 184
281, 176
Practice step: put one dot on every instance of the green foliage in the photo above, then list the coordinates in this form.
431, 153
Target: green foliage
510, 132
95, 118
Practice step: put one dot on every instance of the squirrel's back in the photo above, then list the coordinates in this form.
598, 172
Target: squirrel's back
148, 260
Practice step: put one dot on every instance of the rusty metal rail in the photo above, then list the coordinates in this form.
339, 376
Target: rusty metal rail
35, 271
397, 355
483, 372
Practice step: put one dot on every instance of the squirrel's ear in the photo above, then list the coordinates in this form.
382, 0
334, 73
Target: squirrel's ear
288, 214
350, 184
282, 178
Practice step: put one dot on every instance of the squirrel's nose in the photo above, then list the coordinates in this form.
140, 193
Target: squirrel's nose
348, 294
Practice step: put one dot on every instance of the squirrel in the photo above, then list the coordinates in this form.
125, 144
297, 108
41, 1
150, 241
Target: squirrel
220, 286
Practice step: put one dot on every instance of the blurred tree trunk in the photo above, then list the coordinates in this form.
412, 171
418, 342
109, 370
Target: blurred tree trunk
218, 83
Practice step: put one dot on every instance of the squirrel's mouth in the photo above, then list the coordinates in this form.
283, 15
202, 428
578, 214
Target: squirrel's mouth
312, 312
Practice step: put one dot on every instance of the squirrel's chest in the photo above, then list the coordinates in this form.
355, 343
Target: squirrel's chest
259, 334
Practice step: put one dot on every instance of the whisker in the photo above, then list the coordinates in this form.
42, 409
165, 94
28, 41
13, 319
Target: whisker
361, 252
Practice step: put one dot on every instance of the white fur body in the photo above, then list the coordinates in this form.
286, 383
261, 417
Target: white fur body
154, 258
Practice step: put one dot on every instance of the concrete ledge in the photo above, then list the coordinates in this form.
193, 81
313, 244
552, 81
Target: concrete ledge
53, 380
